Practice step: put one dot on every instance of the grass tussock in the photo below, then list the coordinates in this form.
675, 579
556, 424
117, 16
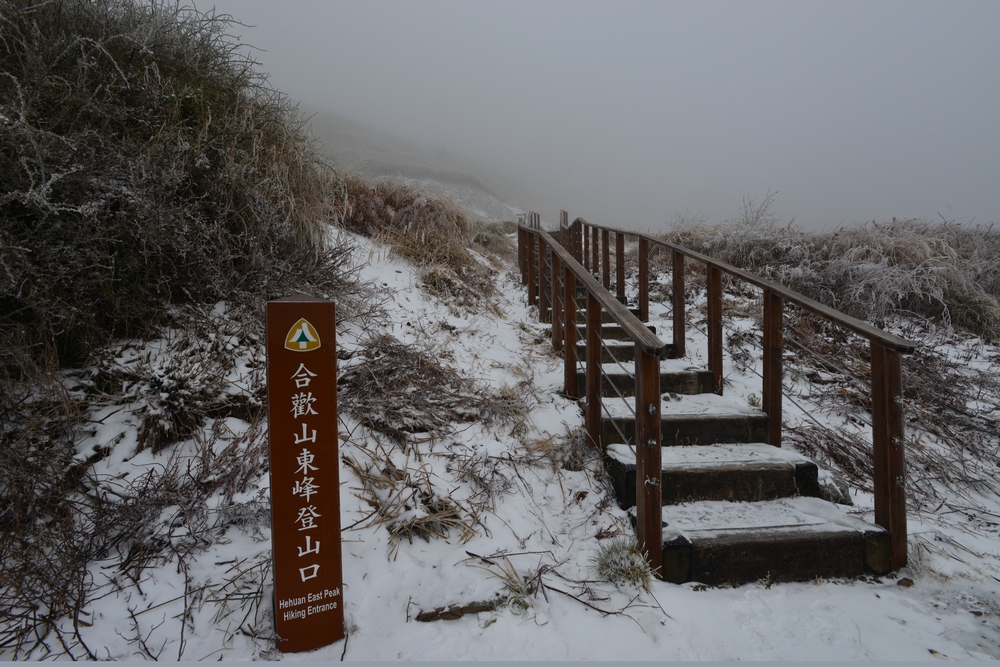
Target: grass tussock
622, 561
405, 500
943, 272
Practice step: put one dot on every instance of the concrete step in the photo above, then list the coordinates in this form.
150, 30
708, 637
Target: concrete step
702, 419
581, 315
675, 376
623, 351
792, 539
613, 350
742, 472
609, 332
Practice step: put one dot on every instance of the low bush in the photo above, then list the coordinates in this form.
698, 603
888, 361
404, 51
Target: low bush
145, 162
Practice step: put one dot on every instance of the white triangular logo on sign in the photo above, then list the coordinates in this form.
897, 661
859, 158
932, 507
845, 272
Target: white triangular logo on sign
302, 337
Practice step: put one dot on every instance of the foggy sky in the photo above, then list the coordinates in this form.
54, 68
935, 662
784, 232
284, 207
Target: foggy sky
629, 113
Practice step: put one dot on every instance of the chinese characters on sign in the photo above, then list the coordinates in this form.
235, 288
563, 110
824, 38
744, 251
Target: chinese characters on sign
304, 465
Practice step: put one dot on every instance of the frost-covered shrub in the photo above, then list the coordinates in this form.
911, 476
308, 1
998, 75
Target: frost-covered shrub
145, 162
622, 561
433, 232
944, 272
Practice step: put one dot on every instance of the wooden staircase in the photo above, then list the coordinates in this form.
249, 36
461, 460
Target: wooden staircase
736, 509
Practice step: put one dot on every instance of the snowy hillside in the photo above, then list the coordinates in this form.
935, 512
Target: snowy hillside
496, 508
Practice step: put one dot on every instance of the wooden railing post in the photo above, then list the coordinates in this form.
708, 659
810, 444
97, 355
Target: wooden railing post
773, 373
557, 306
522, 253
544, 281
569, 334
887, 441
595, 262
594, 371
680, 325
532, 276
643, 279
620, 266
715, 326
606, 259
577, 235
586, 246
648, 456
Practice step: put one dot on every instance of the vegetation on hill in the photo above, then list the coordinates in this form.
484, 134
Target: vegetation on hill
154, 186
434, 233
944, 273
937, 284
146, 162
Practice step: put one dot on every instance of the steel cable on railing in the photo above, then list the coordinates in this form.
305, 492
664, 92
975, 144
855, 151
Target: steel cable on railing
614, 420
615, 359
582, 341
581, 366
785, 392
827, 361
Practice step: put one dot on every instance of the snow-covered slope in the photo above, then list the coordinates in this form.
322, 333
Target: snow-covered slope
524, 522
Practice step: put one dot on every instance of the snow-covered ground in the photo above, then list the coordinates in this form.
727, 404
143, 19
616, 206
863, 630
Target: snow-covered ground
535, 533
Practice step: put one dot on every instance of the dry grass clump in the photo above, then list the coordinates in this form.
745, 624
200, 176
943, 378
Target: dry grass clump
571, 450
211, 364
399, 389
405, 501
496, 240
944, 272
431, 231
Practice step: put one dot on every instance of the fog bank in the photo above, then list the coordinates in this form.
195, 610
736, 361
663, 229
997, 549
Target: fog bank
629, 113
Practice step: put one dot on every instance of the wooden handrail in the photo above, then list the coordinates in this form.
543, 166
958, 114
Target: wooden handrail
859, 327
566, 272
886, 374
640, 335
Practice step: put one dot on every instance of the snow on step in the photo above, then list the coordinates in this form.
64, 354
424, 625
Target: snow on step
702, 519
729, 472
666, 366
709, 456
680, 404
790, 539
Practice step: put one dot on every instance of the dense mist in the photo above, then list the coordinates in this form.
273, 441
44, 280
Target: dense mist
636, 113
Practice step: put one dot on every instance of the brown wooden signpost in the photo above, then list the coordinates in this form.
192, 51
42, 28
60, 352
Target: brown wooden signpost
305, 472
